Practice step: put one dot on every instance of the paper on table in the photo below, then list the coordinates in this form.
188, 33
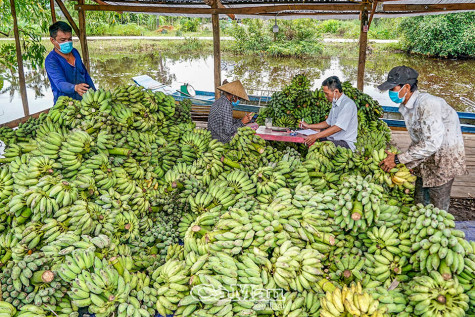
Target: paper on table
307, 132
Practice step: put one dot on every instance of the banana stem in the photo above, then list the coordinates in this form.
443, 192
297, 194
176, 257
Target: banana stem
119, 151
198, 230
40, 277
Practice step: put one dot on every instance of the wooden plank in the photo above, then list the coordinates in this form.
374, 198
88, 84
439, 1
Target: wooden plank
68, 16
16, 123
82, 35
216, 52
250, 10
363, 48
19, 58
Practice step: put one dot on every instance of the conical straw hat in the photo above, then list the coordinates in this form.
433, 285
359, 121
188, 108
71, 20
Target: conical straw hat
235, 88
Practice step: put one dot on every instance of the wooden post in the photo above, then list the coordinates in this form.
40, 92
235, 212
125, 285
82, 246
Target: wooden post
68, 16
53, 11
82, 35
217, 52
363, 47
21, 72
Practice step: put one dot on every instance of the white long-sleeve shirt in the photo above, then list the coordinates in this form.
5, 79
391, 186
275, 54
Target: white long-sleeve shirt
436, 152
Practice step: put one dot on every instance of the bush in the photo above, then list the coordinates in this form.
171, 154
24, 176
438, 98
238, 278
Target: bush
250, 36
450, 35
385, 29
189, 24
297, 38
329, 26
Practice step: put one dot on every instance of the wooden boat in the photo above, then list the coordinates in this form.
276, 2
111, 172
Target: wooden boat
202, 100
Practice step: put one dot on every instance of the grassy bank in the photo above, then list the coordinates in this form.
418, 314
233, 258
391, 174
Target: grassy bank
205, 47
193, 46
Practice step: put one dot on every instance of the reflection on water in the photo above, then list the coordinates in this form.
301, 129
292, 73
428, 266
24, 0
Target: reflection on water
450, 79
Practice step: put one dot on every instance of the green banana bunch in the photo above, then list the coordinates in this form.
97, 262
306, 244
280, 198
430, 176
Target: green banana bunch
246, 141
6, 183
240, 182
383, 238
432, 294
267, 181
30, 281
296, 268
386, 267
196, 238
347, 268
393, 301
233, 232
296, 304
32, 310
350, 301
7, 309
171, 282
359, 203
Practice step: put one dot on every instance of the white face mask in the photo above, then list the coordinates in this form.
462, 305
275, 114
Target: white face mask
334, 98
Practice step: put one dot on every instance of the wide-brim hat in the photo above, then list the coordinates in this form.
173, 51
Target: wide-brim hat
235, 88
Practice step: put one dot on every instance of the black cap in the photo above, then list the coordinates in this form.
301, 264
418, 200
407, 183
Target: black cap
399, 75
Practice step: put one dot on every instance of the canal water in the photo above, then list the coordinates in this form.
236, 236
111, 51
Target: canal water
453, 80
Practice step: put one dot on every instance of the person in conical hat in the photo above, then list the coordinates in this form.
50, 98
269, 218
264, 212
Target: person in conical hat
221, 123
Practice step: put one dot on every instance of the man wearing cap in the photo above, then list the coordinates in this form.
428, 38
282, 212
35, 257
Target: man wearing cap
436, 153
221, 123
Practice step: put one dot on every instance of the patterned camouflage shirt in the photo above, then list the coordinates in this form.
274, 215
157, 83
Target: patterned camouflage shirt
436, 153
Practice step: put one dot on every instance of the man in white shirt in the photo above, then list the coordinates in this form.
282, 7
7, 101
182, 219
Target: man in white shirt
341, 126
437, 152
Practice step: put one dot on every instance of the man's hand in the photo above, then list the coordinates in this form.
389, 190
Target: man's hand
309, 140
388, 163
81, 89
247, 118
304, 125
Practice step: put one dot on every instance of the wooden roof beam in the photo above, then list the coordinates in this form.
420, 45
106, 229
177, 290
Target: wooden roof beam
219, 4
412, 8
248, 10
68, 17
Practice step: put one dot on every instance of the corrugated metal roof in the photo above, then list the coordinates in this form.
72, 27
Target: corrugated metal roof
293, 12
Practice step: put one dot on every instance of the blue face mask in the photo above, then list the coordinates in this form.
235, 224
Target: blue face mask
394, 96
235, 103
66, 47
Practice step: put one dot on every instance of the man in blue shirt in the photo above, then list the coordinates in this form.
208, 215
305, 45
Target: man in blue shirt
66, 71
341, 126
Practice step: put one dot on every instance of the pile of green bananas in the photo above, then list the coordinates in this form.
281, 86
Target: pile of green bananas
94, 206
25, 131
297, 102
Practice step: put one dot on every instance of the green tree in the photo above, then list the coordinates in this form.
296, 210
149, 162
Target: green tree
448, 35
30, 33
